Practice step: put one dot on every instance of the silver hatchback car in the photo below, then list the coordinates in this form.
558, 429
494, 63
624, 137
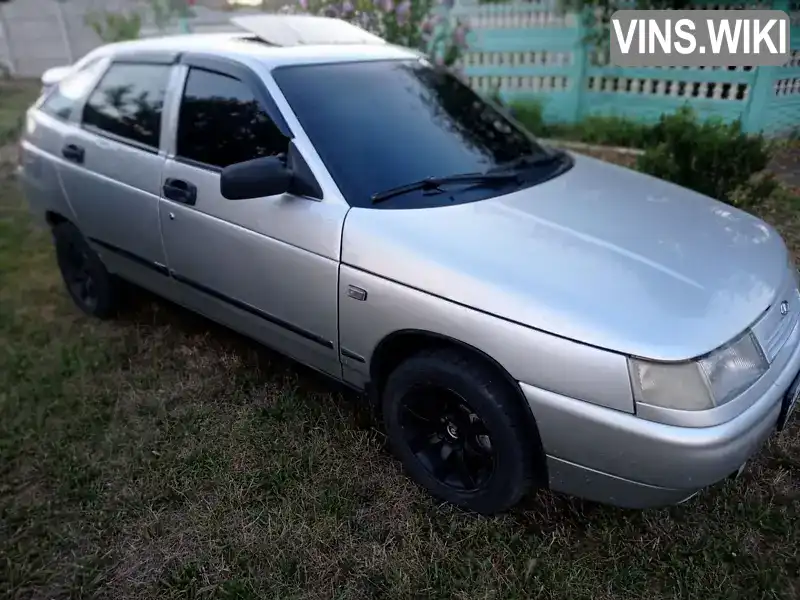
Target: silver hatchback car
521, 316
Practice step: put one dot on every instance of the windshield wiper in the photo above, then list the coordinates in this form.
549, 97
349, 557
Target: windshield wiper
436, 183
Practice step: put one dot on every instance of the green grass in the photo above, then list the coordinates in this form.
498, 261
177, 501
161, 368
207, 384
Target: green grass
159, 456
14, 98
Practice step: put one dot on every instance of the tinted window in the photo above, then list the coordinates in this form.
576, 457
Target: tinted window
128, 102
63, 98
222, 123
382, 124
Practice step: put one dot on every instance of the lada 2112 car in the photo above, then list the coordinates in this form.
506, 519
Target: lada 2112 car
522, 316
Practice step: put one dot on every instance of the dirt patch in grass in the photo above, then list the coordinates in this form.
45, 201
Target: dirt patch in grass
161, 456
786, 164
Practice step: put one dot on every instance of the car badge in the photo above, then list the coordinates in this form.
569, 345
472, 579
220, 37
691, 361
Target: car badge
784, 308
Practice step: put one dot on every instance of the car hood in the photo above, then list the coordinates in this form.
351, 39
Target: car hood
601, 254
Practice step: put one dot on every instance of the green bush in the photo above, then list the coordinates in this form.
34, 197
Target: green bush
530, 114
598, 129
115, 27
711, 157
611, 130
759, 189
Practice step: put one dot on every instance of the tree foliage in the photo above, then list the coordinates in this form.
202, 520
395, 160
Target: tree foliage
165, 12
414, 24
710, 156
596, 14
115, 27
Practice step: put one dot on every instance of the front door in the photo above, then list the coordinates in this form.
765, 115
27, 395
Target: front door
267, 267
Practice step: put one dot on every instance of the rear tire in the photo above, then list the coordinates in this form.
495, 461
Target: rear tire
460, 430
92, 288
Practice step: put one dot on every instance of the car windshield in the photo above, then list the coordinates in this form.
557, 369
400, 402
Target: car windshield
381, 125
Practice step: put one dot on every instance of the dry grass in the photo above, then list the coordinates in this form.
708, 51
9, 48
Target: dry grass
161, 456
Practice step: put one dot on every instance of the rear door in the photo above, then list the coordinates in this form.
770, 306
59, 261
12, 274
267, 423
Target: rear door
52, 118
111, 168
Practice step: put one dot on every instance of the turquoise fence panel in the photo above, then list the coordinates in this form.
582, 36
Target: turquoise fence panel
781, 101
774, 106
526, 50
529, 50
646, 93
777, 110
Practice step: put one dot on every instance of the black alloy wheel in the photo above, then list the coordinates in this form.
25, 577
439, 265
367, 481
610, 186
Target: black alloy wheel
447, 437
78, 276
461, 430
92, 288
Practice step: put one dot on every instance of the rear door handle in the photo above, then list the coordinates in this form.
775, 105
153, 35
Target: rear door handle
180, 191
73, 153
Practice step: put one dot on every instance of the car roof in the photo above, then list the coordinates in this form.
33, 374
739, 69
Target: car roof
248, 48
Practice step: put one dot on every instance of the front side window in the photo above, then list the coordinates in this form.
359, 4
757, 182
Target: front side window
222, 123
385, 124
63, 99
128, 102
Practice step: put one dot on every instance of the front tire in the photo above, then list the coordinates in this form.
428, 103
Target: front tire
460, 430
92, 288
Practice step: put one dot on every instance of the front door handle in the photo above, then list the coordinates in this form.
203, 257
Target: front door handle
73, 153
180, 191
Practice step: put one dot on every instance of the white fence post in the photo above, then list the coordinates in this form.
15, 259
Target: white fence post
12, 66
62, 27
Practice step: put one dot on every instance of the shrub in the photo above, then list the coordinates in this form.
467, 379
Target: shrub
757, 190
530, 114
596, 129
115, 27
711, 157
610, 130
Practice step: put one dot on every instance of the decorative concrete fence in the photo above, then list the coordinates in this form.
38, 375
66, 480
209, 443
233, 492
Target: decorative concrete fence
528, 49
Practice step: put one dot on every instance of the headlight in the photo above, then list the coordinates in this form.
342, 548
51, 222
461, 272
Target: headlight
700, 384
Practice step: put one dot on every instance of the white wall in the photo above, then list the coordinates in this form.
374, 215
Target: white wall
38, 34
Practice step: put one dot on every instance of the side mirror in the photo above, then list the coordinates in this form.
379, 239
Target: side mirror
267, 176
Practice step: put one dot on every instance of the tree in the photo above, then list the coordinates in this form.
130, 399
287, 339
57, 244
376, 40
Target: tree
410, 23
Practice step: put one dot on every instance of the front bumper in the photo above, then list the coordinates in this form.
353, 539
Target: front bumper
618, 458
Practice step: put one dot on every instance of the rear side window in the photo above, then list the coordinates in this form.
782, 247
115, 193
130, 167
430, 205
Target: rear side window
222, 123
128, 102
62, 100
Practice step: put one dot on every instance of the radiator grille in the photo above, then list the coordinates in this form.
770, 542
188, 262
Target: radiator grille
775, 327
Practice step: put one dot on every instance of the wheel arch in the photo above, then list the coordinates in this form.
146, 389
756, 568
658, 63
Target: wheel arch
399, 345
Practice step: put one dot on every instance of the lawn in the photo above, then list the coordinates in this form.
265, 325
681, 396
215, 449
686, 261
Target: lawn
161, 456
